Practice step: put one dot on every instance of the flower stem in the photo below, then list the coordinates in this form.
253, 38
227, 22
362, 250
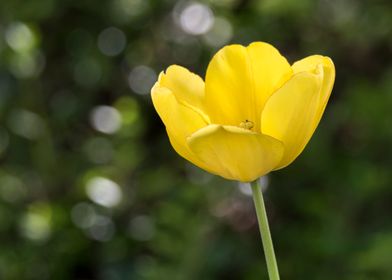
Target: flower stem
265, 231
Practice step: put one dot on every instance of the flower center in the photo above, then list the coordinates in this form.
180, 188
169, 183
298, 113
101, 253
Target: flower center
246, 124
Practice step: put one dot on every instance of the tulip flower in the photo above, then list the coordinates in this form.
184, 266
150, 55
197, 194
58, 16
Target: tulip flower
253, 114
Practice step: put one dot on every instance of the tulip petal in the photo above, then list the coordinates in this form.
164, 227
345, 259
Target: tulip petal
235, 153
270, 70
290, 112
309, 64
187, 87
180, 121
240, 79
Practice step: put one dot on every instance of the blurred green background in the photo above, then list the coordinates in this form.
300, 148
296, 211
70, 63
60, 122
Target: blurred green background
90, 187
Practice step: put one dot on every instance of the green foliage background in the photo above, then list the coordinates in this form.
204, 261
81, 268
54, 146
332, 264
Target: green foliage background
330, 211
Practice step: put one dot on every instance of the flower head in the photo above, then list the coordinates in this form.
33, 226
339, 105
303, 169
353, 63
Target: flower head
253, 114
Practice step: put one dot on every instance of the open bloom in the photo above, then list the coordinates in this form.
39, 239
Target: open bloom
253, 114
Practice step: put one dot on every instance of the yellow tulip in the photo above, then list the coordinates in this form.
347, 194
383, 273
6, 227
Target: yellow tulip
253, 114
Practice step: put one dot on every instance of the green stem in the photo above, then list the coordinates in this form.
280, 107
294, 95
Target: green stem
265, 231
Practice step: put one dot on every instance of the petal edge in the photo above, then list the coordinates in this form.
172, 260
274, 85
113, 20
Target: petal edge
235, 153
290, 113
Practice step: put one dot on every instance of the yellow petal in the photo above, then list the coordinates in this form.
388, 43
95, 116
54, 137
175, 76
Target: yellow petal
235, 153
240, 79
183, 150
270, 70
187, 87
309, 64
290, 113
180, 121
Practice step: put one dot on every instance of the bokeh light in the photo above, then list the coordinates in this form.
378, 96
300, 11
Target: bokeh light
196, 18
83, 215
141, 79
20, 37
105, 119
103, 191
102, 229
36, 223
26, 124
111, 41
